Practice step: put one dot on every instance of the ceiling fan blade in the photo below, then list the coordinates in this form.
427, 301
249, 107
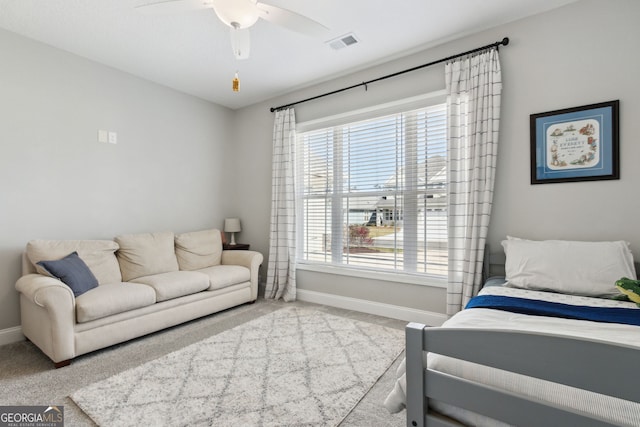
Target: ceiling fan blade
240, 42
171, 6
291, 20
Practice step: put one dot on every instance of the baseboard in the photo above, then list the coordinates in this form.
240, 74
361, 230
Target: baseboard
11, 335
381, 309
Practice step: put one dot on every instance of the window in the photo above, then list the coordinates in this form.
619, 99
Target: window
372, 193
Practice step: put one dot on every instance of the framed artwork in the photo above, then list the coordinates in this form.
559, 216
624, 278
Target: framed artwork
575, 144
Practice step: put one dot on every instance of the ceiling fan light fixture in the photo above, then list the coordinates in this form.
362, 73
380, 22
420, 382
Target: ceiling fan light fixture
239, 13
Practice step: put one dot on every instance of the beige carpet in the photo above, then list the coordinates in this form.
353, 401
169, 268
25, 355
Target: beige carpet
27, 376
295, 366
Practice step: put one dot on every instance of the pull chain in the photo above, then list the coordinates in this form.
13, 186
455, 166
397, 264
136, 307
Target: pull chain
236, 83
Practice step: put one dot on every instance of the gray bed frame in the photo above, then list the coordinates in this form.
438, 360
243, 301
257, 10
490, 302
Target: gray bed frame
575, 362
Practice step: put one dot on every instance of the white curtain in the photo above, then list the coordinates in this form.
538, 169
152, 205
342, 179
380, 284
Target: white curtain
474, 85
281, 271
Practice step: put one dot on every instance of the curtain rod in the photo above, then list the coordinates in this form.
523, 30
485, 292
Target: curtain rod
504, 42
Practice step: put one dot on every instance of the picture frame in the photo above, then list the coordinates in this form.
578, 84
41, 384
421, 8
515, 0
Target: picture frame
575, 144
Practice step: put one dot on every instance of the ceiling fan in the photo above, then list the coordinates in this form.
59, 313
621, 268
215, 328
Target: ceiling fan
239, 15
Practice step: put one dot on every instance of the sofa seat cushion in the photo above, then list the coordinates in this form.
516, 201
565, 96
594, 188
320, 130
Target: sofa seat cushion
175, 284
146, 254
221, 276
114, 298
99, 255
198, 249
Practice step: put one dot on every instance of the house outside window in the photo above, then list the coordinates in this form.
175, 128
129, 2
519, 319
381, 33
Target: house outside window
372, 194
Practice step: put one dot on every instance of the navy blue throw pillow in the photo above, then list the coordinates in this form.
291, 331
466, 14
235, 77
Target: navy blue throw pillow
73, 272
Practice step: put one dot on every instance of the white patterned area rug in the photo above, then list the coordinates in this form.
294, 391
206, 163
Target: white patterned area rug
293, 367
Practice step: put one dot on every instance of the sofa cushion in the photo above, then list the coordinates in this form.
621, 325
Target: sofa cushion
73, 272
175, 283
221, 276
146, 254
114, 298
198, 249
99, 255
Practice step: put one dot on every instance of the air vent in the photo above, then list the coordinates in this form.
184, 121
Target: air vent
343, 41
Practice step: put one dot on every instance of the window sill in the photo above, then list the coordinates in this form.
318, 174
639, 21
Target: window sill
411, 279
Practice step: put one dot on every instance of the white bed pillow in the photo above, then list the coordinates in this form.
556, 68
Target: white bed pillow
576, 268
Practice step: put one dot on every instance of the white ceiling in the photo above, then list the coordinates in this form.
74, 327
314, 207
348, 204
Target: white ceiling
191, 51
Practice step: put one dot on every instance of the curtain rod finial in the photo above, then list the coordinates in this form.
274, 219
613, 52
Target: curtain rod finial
505, 41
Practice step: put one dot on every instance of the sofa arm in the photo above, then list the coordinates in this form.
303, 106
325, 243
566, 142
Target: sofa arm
249, 259
44, 291
47, 311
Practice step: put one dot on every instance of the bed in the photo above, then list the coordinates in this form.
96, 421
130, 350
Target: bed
550, 347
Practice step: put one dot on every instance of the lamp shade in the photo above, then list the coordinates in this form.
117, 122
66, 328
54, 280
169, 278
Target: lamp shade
232, 225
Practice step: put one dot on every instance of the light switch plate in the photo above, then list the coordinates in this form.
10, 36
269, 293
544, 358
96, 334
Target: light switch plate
113, 137
103, 136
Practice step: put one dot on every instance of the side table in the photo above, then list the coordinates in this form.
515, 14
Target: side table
236, 247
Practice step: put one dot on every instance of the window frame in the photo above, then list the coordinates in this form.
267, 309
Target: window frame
407, 104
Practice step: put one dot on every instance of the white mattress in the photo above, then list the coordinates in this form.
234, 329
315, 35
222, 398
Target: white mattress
618, 411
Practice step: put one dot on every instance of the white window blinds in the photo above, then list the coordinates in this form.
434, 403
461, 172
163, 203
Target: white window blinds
373, 193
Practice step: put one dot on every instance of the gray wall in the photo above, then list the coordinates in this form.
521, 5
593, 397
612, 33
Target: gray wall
58, 182
580, 54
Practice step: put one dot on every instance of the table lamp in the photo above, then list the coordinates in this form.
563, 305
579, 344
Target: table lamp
232, 225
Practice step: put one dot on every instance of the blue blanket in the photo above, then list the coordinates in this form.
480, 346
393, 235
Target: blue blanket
627, 316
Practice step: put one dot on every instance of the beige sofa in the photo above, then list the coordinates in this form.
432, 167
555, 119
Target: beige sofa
143, 283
